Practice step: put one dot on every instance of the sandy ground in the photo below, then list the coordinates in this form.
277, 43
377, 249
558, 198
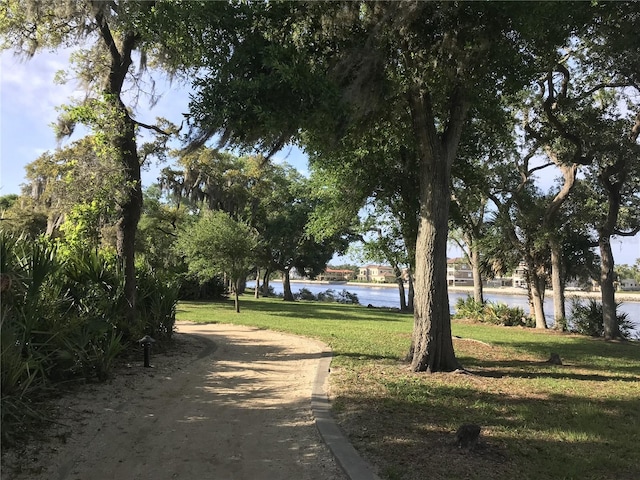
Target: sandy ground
229, 402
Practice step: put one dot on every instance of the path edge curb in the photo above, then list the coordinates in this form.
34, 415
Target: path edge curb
343, 451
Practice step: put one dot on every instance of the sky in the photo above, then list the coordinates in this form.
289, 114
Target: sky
29, 97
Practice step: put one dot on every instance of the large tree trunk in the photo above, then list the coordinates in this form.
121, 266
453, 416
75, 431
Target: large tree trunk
432, 345
559, 313
537, 287
607, 290
569, 173
612, 179
286, 286
130, 209
123, 140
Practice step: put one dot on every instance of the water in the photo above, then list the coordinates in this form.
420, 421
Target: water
388, 296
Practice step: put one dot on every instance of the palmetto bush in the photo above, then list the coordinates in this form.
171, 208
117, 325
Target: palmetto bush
156, 303
469, 309
62, 317
328, 296
587, 319
490, 312
32, 310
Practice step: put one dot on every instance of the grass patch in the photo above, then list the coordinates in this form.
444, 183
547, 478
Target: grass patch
578, 420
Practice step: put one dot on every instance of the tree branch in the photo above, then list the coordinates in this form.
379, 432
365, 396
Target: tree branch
601, 86
155, 128
165, 232
105, 32
549, 105
457, 114
540, 167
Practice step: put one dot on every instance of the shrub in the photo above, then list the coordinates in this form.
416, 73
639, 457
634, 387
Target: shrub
305, 294
271, 292
328, 296
192, 288
156, 303
502, 314
348, 298
494, 313
62, 317
586, 319
469, 308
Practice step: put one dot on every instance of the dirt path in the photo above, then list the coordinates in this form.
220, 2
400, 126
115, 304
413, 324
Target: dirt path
234, 403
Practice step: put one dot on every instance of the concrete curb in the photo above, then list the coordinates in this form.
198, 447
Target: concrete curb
347, 457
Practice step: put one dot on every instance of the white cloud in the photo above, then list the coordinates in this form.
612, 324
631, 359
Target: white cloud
27, 86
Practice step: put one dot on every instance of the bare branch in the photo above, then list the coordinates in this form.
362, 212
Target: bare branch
602, 86
166, 232
155, 128
105, 33
549, 106
540, 167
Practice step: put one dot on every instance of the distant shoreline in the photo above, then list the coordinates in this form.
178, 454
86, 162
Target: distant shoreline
620, 296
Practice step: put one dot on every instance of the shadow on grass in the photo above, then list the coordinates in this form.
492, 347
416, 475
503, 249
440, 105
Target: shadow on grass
532, 369
366, 356
524, 434
584, 352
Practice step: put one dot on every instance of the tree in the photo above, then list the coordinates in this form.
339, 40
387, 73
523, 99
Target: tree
469, 208
628, 271
104, 69
287, 241
158, 231
326, 68
371, 174
382, 242
24, 216
6, 201
518, 217
217, 244
76, 178
595, 109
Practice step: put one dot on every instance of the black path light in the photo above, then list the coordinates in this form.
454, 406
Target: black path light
146, 343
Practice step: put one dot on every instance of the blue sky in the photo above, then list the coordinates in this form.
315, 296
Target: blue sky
28, 100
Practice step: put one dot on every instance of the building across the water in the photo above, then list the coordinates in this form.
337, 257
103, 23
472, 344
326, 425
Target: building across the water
336, 275
459, 273
376, 274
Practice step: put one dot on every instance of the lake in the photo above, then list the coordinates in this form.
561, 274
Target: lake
387, 296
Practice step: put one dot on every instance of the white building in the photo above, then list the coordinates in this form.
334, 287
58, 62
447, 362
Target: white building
376, 274
459, 272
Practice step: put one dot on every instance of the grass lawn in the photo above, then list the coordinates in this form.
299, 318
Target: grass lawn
580, 420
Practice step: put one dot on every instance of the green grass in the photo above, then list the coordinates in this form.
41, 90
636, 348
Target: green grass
578, 420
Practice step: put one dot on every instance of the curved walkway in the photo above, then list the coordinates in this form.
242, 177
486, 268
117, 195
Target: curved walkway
242, 404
